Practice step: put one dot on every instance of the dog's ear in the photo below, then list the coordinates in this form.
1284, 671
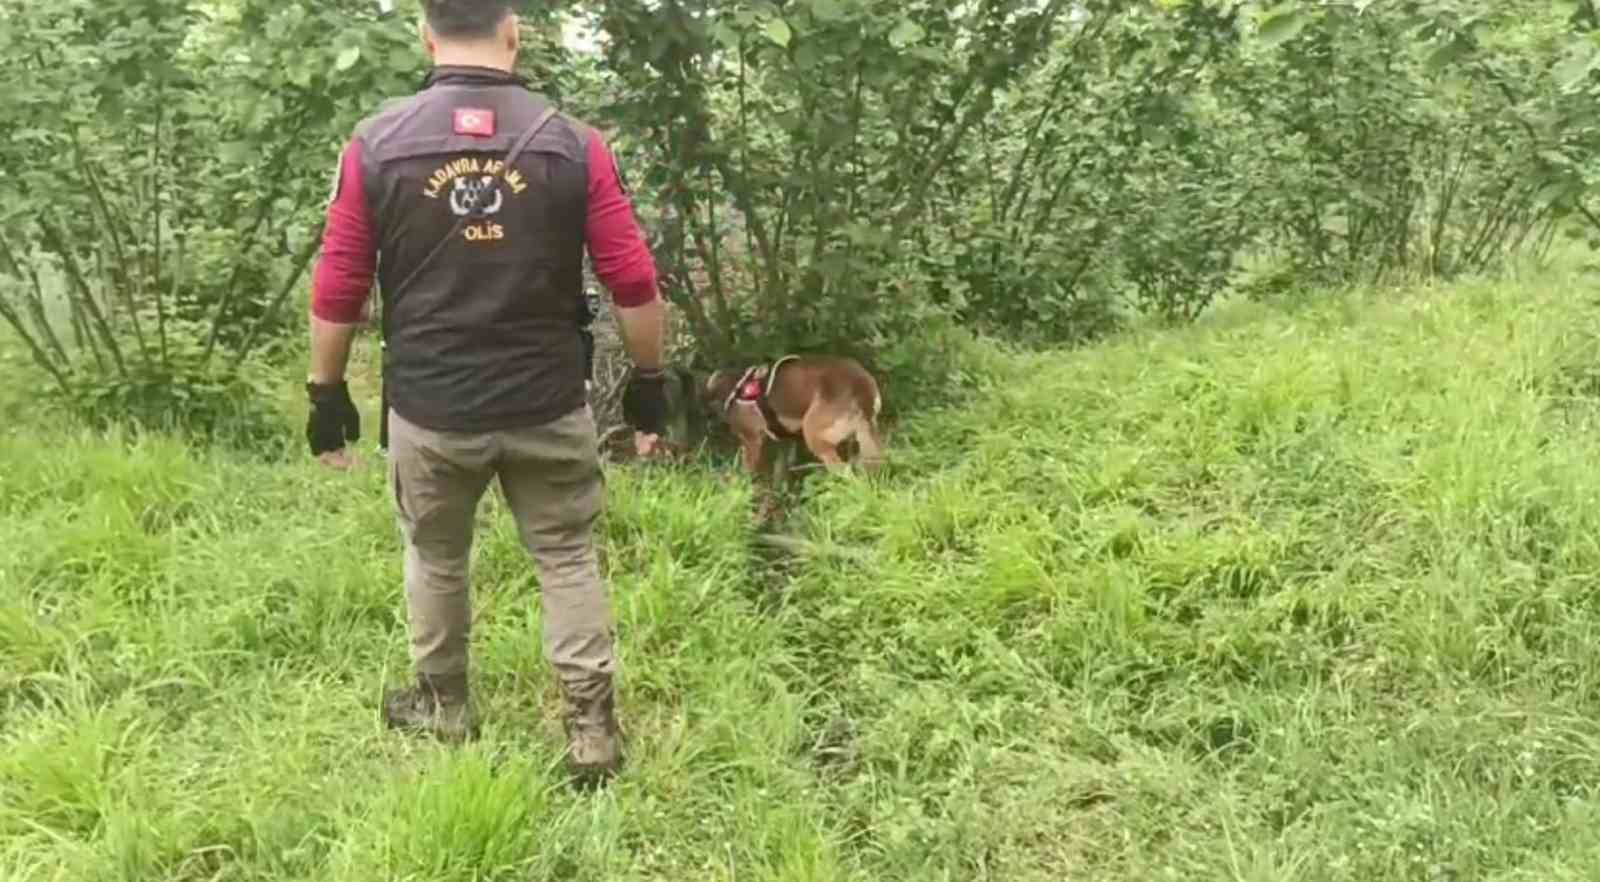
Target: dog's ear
712, 384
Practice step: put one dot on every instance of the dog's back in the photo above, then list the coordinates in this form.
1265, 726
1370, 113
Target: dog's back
840, 382
837, 395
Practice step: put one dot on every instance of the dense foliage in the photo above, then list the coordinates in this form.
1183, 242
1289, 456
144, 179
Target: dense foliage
815, 173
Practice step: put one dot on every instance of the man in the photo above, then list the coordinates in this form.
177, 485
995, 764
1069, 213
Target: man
481, 200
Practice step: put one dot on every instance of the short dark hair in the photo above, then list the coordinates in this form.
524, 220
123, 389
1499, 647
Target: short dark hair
465, 19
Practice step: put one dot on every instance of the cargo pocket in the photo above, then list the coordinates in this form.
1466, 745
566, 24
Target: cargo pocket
583, 481
591, 442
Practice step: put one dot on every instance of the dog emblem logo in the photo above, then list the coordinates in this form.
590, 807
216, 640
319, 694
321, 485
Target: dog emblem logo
481, 193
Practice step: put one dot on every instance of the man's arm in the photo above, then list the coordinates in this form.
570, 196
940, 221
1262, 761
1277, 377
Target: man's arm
623, 262
342, 281
644, 331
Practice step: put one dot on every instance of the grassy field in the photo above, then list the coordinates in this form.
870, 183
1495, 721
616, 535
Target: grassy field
1302, 593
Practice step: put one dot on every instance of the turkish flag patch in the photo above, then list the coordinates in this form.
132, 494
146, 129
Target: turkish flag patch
474, 121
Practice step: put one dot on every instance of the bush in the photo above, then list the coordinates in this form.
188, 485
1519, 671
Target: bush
164, 188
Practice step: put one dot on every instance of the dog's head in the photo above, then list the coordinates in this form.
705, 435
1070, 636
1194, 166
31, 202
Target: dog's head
715, 390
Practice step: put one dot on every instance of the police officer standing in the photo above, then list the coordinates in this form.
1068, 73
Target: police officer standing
482, 199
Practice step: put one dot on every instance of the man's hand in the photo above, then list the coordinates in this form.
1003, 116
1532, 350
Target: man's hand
644, 407
332, 422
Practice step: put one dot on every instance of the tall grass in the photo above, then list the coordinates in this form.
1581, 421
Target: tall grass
1303, 592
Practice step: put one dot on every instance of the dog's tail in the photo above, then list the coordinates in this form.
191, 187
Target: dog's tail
868, 396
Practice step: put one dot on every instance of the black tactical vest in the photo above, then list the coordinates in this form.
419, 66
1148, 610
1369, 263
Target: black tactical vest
486, 335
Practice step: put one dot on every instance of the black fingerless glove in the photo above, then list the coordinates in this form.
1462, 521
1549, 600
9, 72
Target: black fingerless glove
334, 420
644, 402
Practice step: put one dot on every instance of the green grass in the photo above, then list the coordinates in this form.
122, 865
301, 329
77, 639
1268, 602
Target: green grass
1303, 592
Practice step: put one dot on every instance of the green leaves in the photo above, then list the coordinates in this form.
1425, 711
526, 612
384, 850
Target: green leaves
827, 10
175, 164
801, 153
347, 59
777, 30
1283, 24
725, 34
813, 170
1576, 63
1447, 54
906, 33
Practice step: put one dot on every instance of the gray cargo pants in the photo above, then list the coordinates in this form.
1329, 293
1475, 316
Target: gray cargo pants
552, 482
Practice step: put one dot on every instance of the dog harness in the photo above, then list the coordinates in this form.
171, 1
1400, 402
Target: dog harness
752, 390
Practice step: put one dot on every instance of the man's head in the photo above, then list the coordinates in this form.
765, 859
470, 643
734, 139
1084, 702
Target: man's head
470, 32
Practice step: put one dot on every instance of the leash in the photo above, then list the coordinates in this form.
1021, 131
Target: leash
474, 213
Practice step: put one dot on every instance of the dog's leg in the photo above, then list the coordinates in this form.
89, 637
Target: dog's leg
753, 445
823, 432
766, 472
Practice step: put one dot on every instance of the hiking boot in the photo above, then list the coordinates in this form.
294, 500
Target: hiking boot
436, 706
594, 741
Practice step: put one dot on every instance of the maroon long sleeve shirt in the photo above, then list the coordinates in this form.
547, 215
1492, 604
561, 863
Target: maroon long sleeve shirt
343, 278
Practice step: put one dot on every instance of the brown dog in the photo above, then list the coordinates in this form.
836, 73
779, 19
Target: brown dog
822, 400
